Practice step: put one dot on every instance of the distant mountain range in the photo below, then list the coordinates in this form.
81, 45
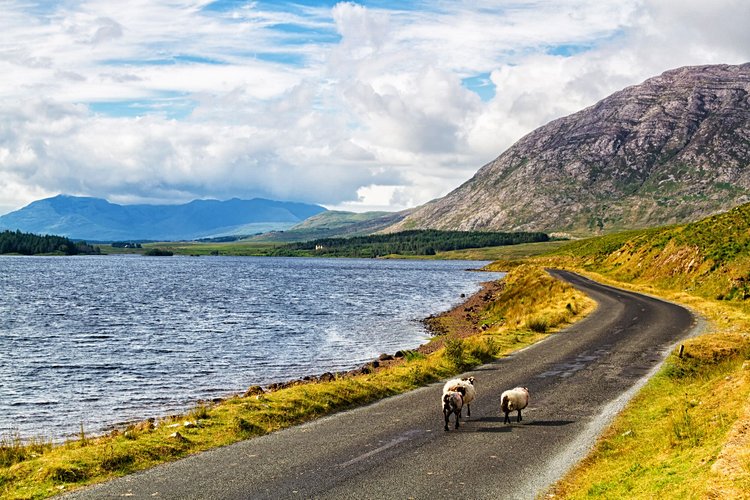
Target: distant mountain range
94, 219
673, 149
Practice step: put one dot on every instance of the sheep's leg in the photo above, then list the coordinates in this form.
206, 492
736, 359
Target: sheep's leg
507, 418
458, 417
468, 410
519, 415
447, 417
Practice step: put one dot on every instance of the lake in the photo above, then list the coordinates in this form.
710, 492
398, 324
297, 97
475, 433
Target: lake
104, 340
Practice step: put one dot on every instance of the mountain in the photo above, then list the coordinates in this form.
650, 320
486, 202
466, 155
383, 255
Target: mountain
335, 224
95, 219
672, 149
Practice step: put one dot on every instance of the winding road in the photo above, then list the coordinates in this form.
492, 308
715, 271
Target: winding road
396, 448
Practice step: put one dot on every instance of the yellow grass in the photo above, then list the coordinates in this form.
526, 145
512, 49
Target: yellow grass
40, 471
687, 433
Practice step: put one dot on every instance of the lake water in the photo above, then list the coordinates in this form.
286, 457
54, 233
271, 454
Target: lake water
100, 341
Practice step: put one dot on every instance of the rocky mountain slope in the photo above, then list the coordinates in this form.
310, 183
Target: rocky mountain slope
95, 219
673, 149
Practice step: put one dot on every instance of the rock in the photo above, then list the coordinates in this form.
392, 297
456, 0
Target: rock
178, 437
673, 149
385, 357
254, 391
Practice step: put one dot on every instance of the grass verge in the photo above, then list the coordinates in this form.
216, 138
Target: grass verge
687, 433
499, 323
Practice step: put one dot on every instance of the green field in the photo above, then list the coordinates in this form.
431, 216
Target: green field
264, 249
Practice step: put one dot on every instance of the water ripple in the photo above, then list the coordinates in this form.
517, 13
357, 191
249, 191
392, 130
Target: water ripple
94, 341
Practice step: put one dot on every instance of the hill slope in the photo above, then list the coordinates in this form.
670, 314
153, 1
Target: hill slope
692, 419
99, 220
672, 149
709, 258
335, 224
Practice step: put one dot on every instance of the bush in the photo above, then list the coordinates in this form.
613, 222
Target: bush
117, 461
455, 350
539, 325
200, 412
158, 252
244, 428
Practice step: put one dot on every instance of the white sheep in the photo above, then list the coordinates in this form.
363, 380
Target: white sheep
453, 401
467, 388
514, 400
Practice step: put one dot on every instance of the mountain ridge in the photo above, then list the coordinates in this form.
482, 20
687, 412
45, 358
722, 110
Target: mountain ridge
672, 149
97, 219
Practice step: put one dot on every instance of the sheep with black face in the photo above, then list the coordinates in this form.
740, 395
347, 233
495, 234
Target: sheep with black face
453, 401
467, 387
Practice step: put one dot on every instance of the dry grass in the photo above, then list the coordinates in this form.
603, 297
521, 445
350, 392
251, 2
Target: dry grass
686, 434
36, 471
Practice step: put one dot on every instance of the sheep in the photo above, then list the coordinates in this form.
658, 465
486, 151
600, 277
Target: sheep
453, 401
514, 400
469, 392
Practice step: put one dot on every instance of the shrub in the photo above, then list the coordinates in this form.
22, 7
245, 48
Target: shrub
539, 325
243, 427
158, 252
68, 473
455, 350
117, 461
200, 412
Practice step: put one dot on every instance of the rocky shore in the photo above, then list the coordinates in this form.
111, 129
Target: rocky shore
459, 322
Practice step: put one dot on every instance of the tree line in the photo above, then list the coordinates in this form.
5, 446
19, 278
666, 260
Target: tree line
33, 244
415, 242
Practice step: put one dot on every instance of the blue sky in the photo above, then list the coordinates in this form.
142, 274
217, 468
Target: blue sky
354, 105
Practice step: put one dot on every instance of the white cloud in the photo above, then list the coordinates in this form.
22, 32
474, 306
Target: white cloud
351, 106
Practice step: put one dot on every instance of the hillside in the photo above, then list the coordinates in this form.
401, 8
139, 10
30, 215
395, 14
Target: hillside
687, 433
418, 242
709, 258
670, 150
334, 224
99, 220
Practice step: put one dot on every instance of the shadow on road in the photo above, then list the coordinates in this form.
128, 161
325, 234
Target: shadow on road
549, 423
494, 430
502, 427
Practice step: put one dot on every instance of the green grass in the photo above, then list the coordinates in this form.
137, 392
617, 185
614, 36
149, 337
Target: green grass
710, 258
38, 470
509, 252
234, 248
263, 249
685, 435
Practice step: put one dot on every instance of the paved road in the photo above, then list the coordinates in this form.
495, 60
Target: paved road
397, 448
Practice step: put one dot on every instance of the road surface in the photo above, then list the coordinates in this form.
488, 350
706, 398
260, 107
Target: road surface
397, 448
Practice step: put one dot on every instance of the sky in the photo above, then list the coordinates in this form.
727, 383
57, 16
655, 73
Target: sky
370, 105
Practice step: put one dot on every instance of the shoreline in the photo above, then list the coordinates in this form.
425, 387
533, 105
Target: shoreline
462, 322
487, 325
